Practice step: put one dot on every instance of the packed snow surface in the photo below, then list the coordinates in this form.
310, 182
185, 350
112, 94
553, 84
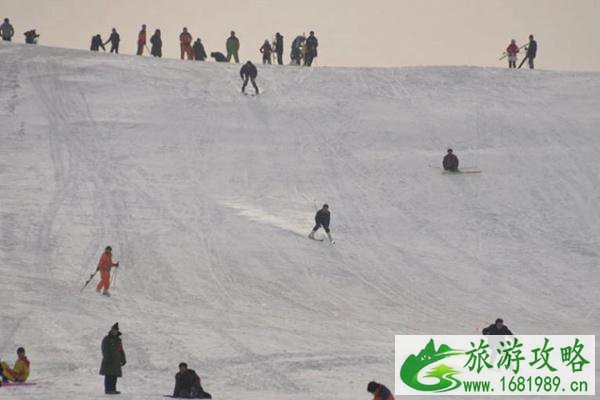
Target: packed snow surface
207, 196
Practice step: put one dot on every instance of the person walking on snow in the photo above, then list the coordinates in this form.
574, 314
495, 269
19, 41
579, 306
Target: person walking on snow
114, 40
266, 51
188, 385
450, 162
6, 30
379, 391
199, 52
233, 46
279, 48
249, 72
311, 48
20, 372
141, 42
113, 359
512, 50
531, 51
104, 266
185, 41
156, 41
322, 218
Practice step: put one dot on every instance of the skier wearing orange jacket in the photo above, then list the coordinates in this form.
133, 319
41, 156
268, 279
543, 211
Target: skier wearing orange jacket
104, 266
185, 40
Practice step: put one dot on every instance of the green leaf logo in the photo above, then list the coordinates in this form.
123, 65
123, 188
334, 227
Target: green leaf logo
413, 365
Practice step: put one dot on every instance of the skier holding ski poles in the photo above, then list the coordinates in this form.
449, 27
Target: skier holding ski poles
104, 266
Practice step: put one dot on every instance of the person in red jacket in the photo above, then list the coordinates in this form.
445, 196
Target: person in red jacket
104, 266
512, 50
185, 40
379, 391
141, 43
266, 51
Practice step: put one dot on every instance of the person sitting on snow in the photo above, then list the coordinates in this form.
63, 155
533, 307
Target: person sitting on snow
450, 162
187, 384
20, 372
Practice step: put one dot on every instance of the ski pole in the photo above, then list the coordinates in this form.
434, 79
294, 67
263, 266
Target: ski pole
114, 279
88, 281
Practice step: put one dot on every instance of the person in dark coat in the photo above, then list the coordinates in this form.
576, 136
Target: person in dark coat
249, 72
279, 48
31, 37
113, 359
199, 52
266, 51
497, 328
296, 53
322, 218
218, 56
114, 40
156, 43
187, 384
6, 30
97, 43
450, 162
531, 51
311, 48
379, 391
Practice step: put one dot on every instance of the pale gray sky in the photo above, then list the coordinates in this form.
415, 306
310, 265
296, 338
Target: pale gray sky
351, 32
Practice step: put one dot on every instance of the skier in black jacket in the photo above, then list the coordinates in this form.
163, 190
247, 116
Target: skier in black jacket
279, 48
497, 328
311, 48
156, 42
322, 218
114, 41
97, 43
249, 72
531, 51
187, 384
450, 162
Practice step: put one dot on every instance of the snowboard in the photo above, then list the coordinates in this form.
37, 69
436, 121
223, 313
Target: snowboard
459, 172
12, 384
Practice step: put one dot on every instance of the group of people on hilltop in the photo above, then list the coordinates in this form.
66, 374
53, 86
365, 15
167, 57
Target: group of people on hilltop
7, 31
304, 49
513, 50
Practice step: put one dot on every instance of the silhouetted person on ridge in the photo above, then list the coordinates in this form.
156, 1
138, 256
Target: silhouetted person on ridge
141, 42
279, 48
6, 30
156, 43
31, 37
311, 48
266, 51
114, 41
531, 51
233, 46
97, 43
512, 50
199, 52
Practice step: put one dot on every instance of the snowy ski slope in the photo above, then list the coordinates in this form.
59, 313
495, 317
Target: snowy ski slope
206, 197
